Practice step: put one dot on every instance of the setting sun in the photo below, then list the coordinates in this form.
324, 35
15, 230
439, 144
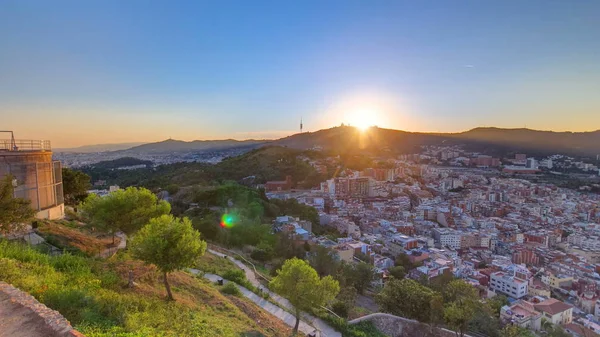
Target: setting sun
364, 119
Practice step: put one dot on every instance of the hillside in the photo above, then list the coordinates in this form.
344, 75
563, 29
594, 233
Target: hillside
262, 164
347, 139
122, 162
172, 145
93, 296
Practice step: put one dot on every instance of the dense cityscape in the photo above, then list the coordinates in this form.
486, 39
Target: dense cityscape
330, 168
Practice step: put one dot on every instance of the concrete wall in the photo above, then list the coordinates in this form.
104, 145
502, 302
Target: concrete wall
395, 326
21, 315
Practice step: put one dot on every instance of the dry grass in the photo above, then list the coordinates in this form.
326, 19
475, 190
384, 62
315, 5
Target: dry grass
262, 318
76, 237
197, 294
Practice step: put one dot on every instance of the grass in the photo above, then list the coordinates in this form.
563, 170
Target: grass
223, 267
68, 235
213, 264
93, 296
231, 289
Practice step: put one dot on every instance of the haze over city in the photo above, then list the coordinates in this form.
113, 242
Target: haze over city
137, 71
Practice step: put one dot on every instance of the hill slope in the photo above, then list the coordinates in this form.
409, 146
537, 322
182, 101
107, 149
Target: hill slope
92, 295
172, 145
348, 139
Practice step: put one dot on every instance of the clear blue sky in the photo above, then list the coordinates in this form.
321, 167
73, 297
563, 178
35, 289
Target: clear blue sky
81, 72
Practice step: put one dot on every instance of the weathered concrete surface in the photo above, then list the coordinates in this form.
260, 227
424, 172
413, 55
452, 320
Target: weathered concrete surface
21, 315
395, 326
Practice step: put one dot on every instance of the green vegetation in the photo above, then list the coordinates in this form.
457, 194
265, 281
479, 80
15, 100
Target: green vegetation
455, 304
13, 211
73, 237
124, 210
170, 244
300, 284
231, 289
90, 293
213, 264
263, 164
75, 186
121, 162
397, 272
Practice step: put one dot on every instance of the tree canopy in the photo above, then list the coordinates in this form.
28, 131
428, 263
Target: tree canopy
13, 211
170, 244
300, 284
124, 210
75, 186
407, 298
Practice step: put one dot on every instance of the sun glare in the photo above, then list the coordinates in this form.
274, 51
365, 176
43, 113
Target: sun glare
363, 119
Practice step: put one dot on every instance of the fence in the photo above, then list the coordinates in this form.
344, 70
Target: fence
24, 145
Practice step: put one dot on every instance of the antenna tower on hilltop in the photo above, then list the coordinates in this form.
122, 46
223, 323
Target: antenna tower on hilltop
300, 124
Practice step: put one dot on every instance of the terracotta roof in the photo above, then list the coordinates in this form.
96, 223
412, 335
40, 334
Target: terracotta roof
580, 330
552, 306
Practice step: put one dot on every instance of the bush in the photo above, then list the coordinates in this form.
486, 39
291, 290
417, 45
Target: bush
235, 275
231, 289
261, 255
340, 308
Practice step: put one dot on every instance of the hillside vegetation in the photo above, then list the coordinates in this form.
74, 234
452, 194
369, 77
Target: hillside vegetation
92, 295
259, 166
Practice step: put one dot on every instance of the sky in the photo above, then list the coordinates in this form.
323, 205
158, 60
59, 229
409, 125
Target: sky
94, 72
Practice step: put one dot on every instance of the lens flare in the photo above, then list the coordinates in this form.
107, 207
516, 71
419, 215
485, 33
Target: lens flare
228, 220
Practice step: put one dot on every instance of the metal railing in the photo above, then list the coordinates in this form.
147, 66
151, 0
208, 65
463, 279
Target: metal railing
24, 145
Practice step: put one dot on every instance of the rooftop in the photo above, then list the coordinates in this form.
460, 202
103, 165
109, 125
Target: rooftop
21, 145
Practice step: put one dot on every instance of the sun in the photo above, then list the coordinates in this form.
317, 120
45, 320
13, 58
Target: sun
363, 119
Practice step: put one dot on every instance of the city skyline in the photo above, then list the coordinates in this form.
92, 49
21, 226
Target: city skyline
95, 73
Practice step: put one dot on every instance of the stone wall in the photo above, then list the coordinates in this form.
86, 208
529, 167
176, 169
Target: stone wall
21, 315
395, 326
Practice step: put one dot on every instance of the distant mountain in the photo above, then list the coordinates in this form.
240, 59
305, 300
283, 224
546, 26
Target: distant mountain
346, 139
172, 145
99, 147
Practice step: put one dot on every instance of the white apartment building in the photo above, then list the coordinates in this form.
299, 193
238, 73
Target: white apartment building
585, 242
508, 284
446, 237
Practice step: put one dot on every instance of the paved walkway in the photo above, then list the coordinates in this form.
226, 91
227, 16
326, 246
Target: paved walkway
319, 324
271, 308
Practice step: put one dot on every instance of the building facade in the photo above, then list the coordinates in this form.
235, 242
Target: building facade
36, 177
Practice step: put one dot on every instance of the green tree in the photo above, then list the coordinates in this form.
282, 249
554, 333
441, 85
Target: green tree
407, 298
75, 185
458, 316
461, 292
124, 210
323, 260
170, 244
300, 284
515, 331
462, 302
13, 211
397, 272
496, 303
404, 261
362, 276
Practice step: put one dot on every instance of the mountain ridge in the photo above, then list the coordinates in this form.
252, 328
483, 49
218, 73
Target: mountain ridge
348, 138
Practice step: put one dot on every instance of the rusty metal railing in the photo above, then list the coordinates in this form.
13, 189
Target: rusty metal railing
24, 145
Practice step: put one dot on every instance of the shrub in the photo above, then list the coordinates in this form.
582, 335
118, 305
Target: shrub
231, 289
71, 264
262, 255
340, 308
236, 275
